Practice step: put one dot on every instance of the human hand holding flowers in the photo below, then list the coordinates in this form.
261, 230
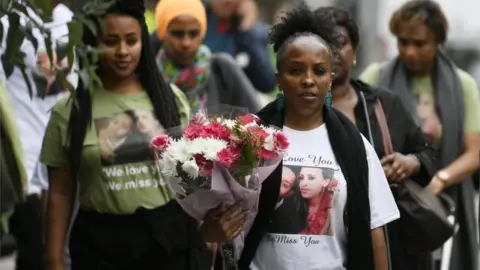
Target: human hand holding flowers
223, 224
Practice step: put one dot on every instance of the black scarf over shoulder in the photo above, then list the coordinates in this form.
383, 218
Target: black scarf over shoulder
349, 150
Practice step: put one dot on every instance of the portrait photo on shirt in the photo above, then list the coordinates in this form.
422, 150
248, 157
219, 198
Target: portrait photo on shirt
305, 203
125, 137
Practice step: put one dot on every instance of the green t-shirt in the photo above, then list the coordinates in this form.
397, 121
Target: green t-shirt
117, 173
424, 91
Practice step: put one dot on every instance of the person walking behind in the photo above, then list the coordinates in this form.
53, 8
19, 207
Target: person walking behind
444, 101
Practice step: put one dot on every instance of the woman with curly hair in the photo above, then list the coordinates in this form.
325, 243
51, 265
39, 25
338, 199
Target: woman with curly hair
320, 137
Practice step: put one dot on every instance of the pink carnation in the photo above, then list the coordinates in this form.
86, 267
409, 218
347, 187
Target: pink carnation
281, 141
206, 169
212, 130
200, 159
247, 119
228, 156
267, 155
160, 142
257, 135
218, 131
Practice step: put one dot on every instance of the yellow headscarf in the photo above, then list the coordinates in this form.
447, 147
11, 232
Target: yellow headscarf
168, 10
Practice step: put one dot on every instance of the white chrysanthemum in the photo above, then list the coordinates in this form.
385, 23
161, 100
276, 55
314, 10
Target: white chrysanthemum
229, 123
209, 147
269, 143
251, 124
168, 165
270, 130
191, 168
179, 150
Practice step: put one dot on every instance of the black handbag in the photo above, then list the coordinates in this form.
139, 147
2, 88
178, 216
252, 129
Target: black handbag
424, 223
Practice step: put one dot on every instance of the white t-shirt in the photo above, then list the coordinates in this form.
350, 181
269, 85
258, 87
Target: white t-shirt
308, 231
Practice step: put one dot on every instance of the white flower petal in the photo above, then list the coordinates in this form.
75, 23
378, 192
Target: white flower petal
191, 168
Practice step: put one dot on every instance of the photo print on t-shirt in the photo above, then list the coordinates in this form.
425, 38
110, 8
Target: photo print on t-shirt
307, 196
125, 137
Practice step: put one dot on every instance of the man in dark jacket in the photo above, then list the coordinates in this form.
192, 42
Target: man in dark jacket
234, 28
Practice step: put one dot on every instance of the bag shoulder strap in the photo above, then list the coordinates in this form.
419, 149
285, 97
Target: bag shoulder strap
382, 121
388, 148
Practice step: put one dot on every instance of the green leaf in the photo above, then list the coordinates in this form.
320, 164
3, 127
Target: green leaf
75, 32
14, 37
28, 31
48, 45
90, 24
46, 8
70, 56
7, 65
69, 86
4, 4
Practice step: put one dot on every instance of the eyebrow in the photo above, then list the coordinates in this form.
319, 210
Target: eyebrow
297, 61
116, 35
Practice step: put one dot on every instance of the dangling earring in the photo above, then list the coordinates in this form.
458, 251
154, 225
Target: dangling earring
280, 101
328, 99
355, 62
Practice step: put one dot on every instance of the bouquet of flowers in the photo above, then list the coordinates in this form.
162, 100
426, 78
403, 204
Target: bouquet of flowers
219, 160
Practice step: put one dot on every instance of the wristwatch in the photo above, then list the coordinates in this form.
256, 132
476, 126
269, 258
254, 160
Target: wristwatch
443, 176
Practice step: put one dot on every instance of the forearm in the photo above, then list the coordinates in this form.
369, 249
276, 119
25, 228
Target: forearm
44, 199
58, 219
59, 210
462, 167
380, 254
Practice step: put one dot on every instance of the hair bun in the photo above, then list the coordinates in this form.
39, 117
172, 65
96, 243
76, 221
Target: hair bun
301, 19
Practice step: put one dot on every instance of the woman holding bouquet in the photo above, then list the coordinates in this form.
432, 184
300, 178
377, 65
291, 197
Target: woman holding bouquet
323, 138
126, 219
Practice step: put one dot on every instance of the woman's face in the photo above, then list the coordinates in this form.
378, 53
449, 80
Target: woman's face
346, 57
288, 179
311, 182
305, 75
122, 125
417, 46
183, 39
146, 122
122, 42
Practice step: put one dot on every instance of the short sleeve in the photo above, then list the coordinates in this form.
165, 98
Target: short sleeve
371, 74
54, 150
472, 103
383, 208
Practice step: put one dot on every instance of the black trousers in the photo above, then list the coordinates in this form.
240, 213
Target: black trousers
165, 238
26, 226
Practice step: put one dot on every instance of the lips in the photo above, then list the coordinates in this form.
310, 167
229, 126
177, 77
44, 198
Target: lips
308, 96
122, 64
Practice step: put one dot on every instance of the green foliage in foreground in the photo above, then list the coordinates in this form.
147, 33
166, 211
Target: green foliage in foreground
17, 11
